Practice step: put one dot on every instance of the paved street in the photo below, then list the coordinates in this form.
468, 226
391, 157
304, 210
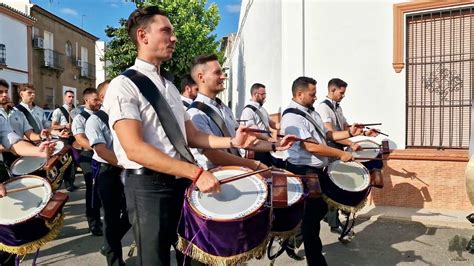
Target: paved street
377, 242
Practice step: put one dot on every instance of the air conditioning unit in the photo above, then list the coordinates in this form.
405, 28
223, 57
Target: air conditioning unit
38, 42
79, 63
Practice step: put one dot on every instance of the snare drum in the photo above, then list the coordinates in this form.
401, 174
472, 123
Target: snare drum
229, 227
22, 226
278, 158
372, 150
347, 185
52, 169
286, 220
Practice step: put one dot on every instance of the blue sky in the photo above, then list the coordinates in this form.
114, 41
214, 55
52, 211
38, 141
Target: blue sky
95, 15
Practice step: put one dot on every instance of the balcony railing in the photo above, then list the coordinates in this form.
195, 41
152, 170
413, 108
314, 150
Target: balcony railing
53, 59
87, 70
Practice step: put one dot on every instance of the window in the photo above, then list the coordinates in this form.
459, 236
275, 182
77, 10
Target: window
68, 49
440, 77
3, 54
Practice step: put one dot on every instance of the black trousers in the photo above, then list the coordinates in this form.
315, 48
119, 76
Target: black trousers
314, 211
154, 204
264, 157
7, 259
70, 175
92, 197
116, 223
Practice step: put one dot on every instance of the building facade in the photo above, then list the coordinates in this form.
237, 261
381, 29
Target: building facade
15, 46
409, 66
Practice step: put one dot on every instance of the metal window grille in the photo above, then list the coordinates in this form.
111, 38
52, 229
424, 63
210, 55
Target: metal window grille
439, 78
3, 54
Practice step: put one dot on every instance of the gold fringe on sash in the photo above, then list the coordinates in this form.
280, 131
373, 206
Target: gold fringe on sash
198, 254
286, 234
343, 207
35, 245
59, 179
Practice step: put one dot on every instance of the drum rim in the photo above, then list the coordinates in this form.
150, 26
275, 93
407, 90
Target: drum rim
366, 140
363, 187
200, 214
57, 151
49, 195
272, 153
23, 157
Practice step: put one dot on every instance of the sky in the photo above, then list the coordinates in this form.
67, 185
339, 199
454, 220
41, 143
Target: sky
94, 15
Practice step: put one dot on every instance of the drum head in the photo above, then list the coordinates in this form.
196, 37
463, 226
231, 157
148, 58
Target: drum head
27, 165
280, 154
367, 153
59, 146
349, 176
20, 206
237, 199
295, 190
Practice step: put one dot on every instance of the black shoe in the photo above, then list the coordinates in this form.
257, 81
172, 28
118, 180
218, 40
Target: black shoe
96, 231
103, 250
291, 253
336, 230
71, 188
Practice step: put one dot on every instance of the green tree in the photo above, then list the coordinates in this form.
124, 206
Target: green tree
193, 24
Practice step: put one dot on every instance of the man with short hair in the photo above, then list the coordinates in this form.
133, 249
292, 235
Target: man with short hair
62, 117
255, 114
189, 90
208, 74
5, 103
26, 118
305, 158
156, 172
92, 104
11, 141
110, 187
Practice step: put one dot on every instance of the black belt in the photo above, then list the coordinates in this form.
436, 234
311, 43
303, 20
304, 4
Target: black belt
147, 172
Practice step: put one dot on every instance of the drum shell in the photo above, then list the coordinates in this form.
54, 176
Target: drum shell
287, 219
225, 238
25, 232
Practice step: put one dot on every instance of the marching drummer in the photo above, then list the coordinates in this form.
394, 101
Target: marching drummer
152, 158
255, 114
189, 90
61, 119
10, 140
207, 110
108, 181
301, 120
92, 104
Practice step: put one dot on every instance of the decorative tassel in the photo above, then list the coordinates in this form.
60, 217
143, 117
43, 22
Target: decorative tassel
198, 254
35, 245
343, 207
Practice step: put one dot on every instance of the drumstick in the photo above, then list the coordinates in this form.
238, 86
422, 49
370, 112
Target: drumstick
367, 158
366, 125
23, 188
295, 175
237, 177
279, 135
378, 131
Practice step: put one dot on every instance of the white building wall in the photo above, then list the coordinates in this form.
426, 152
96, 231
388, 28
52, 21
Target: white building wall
14, 35
99, 64
350, 40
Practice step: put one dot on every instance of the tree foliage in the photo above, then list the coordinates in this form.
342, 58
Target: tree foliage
193, 24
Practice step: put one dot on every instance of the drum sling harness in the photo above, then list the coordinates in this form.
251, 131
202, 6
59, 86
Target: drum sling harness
260, 115
30, 118
168, 121
217, 119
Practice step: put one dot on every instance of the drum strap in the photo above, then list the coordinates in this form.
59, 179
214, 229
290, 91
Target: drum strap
103, 116
29, 117
309, 118
330, 105
85, 114
217, 119
186, 104
260, 115
153, 95
66, 114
